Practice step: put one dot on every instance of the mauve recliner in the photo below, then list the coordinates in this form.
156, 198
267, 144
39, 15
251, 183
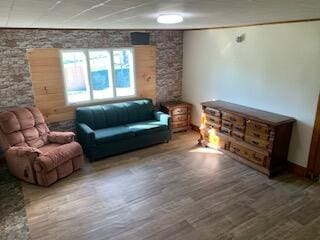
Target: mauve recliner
32, 152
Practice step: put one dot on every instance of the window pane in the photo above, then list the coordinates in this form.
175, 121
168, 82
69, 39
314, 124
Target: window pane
101, 74
123, 72
76, 76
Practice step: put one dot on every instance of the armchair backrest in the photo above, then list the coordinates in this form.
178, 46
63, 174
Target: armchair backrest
115, 114
23, 127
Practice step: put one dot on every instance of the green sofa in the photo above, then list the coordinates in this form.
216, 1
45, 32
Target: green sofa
109, 129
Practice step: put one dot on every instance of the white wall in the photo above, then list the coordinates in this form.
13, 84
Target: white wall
276, 68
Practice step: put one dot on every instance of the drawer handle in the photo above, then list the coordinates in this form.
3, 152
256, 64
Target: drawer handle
257, 158
256, 135
236, 149
255, 142
257, 126
233, 119
238, 135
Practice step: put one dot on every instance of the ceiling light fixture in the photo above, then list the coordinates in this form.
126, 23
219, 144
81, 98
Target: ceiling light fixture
170, 19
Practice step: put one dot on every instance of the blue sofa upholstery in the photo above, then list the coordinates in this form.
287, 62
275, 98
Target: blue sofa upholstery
109, 129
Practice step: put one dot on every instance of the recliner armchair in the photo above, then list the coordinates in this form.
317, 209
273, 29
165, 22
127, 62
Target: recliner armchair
32, 152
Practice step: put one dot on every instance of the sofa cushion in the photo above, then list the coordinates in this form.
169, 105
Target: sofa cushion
146, 127
112, 134
115, 114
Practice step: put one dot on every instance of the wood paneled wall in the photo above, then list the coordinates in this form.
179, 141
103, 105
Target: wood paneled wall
48, 87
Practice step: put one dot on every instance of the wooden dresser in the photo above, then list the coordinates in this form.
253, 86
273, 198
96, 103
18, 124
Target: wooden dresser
180, 113
254, 137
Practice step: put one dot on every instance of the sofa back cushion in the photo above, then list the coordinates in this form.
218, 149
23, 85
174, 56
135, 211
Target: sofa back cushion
23, 127
115, 114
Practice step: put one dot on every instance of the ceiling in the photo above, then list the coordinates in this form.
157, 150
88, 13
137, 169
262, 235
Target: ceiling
142, 14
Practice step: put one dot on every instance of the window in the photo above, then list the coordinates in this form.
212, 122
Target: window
100, 74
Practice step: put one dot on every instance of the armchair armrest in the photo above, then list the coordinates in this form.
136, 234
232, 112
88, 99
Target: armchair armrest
86, 134
61, 137
163, 118
26, 152
20, 162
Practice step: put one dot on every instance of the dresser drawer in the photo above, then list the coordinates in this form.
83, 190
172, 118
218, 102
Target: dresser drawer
257, 142
212, 112
226, 131
180, 110
238, 135
213, 125
258, 158
241, 151
217, 141
216, 120
238, 128
226, 124
259, 135
179, 124
178, 118
233, 118
257, 127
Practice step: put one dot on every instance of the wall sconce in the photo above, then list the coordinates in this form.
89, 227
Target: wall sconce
240, 38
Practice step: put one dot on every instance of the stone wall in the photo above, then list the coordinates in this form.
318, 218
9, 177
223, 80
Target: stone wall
15, 83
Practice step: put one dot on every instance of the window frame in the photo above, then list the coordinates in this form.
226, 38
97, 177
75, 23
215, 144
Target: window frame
87, 56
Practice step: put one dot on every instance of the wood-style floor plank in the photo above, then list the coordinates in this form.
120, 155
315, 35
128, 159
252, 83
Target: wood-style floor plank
175, 191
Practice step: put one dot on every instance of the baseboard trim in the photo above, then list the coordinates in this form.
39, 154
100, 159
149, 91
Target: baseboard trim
194, 127
297, 169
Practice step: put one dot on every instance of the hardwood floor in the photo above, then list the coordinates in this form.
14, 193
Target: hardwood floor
174, 191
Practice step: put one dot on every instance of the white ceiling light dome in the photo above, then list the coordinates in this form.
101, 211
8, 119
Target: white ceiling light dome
170, 19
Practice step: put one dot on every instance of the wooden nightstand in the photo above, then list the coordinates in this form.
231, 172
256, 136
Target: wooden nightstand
180, 113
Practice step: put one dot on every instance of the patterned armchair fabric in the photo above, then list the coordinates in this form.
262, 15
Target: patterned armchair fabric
32, 152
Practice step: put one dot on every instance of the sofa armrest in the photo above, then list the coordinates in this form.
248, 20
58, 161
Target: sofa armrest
163, 118
61, 137
85, 134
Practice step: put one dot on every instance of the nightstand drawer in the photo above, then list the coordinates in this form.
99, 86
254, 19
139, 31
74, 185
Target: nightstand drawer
178, 118
180, 114
179, 124
180, 110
